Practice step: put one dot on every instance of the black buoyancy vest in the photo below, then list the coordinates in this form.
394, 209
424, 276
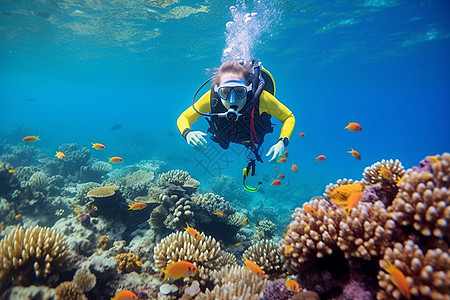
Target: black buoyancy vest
225, 131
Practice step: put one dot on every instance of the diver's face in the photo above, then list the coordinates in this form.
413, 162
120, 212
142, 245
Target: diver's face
233, 93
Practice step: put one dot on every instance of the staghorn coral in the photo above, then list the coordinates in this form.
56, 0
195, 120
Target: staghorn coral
265, 255
428, 275
422, 205
84, 279
205, 252
38, 248
372, 173
234, 282
69, 290
127, 262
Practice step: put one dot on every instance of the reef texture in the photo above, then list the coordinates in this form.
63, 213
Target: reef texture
265, 255
410, 233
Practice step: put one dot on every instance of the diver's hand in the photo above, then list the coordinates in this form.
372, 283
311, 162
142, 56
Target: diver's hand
196, 140
277, 150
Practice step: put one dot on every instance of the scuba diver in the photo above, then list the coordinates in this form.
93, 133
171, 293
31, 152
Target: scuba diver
238, 108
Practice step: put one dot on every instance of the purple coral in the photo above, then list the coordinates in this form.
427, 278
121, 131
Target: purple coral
354, 290
276, 290
85, 220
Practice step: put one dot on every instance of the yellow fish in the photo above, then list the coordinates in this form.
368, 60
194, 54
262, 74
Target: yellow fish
245, 222
11, 171
238, 244
77, 211
60, 155
219, 213
292, 285
138, 263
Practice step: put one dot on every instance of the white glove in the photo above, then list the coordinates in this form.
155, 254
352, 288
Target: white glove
277, 150
196, 140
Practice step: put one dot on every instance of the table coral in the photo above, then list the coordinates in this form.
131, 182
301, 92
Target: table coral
38, 249
178, 178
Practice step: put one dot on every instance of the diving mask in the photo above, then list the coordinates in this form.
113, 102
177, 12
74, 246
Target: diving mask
233, 93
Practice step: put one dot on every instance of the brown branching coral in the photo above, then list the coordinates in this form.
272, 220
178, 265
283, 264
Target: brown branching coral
127, 263
374, 173
69, 290
265, 255
103, 242
428, 275
422, 205
38, 248
363, 232
234, 282
205, 252
84, 279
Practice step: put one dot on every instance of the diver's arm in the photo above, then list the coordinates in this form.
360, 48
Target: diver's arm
190, 116
272, 106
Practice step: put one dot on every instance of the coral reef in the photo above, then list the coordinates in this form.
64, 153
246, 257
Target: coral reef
402, 219
205, 252
32, 253
265, 255
265, 229
69, 290
234, 282
127, 263
84, 279
178, 179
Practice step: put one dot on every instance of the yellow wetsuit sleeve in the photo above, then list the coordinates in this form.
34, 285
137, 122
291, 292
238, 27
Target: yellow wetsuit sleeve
271, 105
190, 116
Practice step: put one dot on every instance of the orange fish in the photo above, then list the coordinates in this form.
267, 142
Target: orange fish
281, 176
179, 269
309, 208
386, 173
196, 200
137, 206
115, 159
253, 267
289, 249
353, 126
219, 213
98, 146
125, 295
11, 171
73, 203
353, 200
399, 279
355, 154
138, 263
301, 134
30, 139
77, 211
276, 182
292, 285
321, 158
294, 168
286, 154
193, 232
282, 160
60, 155
18, 216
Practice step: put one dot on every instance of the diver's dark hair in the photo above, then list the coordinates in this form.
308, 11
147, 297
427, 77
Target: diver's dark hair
234, 67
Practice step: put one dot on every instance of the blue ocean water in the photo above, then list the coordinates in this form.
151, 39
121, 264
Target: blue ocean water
72, 70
